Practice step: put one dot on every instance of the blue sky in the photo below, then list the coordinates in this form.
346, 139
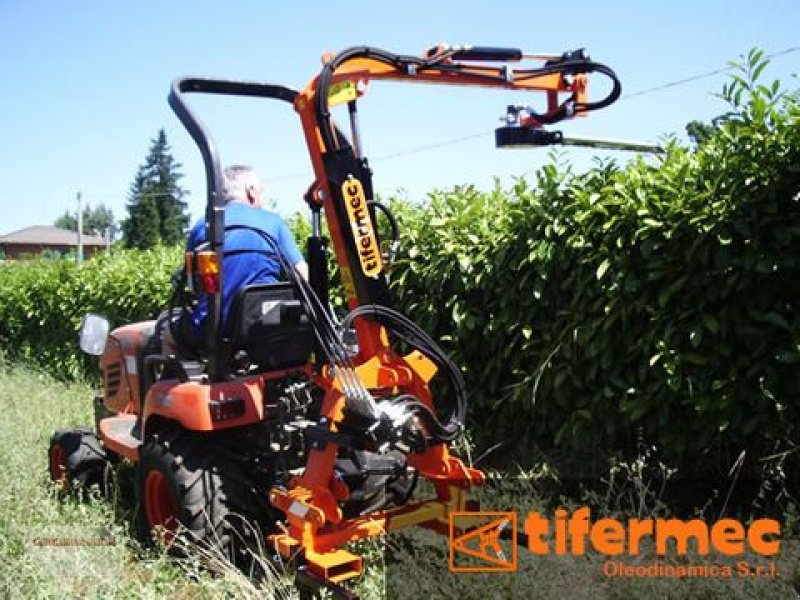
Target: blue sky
84, 86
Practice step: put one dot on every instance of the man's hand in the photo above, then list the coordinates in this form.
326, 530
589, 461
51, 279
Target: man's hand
302, 268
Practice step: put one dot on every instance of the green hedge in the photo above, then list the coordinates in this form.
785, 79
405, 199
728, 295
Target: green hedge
656, 301
653, 301
42, 302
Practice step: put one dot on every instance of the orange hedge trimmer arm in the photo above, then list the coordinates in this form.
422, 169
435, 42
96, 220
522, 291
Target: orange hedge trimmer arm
362, 70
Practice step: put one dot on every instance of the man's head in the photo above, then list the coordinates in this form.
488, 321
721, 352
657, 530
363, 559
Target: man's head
241, 184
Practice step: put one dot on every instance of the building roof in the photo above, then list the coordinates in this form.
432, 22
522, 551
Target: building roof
49, 236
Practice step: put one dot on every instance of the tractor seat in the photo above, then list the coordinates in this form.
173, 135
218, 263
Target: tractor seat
153, 366
270, 325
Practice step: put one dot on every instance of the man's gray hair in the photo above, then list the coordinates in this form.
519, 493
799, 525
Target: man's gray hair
235, 181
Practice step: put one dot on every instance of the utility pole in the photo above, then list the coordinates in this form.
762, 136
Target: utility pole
80, 228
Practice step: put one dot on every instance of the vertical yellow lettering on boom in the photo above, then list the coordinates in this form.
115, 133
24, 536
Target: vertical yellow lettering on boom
361, 225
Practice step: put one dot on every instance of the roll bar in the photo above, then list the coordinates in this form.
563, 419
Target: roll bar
215, 214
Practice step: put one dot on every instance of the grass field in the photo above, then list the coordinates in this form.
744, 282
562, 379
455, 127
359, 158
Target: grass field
33, 405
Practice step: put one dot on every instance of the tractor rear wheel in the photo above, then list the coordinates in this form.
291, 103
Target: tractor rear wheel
77, 460
192, 489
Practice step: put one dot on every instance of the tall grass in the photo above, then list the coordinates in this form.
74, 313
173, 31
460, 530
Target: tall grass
33, 404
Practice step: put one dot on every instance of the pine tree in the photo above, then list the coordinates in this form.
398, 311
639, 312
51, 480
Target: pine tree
141, 228
157, 212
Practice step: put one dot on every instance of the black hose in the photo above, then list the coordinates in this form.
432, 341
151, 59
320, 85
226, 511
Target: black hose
612, 96
324, 84
564, 111
409, 332
569, 66
392, 224
390, 216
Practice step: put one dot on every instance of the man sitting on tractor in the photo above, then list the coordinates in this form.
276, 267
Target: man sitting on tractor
249, 258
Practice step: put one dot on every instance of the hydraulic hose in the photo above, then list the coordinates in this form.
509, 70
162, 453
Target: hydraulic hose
408, 331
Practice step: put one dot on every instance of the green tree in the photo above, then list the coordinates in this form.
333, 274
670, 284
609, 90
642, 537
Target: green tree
699, 132
141, 228
156, 210
68, 221
96, 221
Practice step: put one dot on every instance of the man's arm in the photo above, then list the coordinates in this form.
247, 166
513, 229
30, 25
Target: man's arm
289, 249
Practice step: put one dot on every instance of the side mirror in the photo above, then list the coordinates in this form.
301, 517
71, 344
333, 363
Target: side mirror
94, 333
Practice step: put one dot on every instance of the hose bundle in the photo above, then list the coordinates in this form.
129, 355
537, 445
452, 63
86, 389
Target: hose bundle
329, 335
412, 334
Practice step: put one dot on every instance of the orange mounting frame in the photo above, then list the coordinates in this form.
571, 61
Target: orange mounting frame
316, 527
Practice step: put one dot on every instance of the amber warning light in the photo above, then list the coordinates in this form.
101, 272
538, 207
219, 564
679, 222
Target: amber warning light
208, 269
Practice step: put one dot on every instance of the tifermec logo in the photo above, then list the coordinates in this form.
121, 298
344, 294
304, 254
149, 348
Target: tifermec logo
369, 253
475, 542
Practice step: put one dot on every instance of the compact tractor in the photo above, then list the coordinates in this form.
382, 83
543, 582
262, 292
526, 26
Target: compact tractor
312, 428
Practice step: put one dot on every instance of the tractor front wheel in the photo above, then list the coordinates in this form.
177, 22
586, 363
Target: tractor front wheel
77, 460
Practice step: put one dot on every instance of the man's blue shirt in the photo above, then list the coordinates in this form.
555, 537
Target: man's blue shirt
248, 257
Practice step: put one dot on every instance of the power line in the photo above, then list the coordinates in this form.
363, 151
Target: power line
112, 196
461, 139
398, 154
288, 177
705, 75
433, 146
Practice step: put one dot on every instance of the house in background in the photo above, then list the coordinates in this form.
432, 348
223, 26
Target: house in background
33, 241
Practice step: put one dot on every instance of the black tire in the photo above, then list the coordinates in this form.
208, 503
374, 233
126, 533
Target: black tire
78, 461
203, 491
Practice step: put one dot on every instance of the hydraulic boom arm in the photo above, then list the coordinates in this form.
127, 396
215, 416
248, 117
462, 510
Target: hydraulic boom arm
343, 183
381, 399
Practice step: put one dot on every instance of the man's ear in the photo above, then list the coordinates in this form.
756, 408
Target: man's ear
252, 197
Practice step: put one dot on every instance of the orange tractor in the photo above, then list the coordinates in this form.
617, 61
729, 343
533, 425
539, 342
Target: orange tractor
313, 429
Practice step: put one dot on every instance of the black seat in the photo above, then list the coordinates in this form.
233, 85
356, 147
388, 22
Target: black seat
270, 325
